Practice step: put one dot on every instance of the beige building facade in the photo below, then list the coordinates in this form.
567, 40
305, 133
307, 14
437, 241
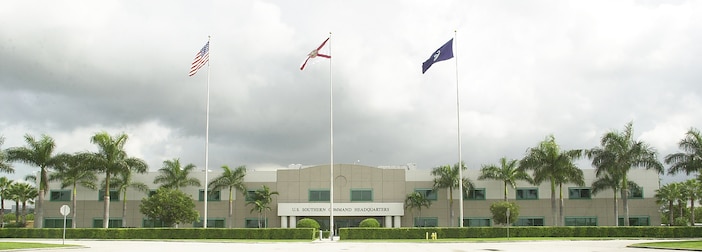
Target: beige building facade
361, 192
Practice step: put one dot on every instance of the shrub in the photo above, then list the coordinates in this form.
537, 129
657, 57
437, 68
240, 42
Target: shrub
369, 223
308, 223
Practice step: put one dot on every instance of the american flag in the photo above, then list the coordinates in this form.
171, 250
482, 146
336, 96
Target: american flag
201, 58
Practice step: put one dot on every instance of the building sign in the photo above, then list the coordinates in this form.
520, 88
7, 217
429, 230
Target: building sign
341, 209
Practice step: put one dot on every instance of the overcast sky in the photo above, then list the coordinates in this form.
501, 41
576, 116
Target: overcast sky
524, 69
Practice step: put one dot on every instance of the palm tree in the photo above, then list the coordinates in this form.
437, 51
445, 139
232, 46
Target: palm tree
619, 153
40, 154
5, 165
416, 200
111, 159
447, 177
690, 160
232, 180
507, 172
72, 172
4, 185
668, 194
548, 162
23, 193
174, 176
693, 190
261, 201
124, 181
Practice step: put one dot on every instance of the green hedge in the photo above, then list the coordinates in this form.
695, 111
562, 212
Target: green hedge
161, 233
497, 232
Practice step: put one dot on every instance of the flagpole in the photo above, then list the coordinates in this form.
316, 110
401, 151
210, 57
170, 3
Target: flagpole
331, 147
460, 159
207, 136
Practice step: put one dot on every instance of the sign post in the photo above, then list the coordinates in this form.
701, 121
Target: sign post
65, 210
507, 222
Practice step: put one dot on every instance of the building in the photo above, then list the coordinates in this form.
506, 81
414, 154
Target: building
370, 192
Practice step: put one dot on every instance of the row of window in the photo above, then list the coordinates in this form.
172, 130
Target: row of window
117, 222
531, 221
322, 195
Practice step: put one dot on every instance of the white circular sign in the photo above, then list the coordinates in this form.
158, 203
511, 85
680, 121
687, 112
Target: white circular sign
65, 210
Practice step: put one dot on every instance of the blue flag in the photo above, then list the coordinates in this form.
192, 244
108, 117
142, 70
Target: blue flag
443, 53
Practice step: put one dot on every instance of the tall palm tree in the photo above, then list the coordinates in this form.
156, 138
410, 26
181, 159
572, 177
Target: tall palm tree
549, 163
111, 159
416, 200
232, 180
125, 180
508, 172
446, 177
4, 185
39, 153
693, 190
690, 160
610, 181
173, 176
23, 193
668, 194
261, 201
74, 172
619, 153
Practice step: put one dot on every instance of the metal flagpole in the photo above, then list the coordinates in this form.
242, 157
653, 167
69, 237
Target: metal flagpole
460, 160
331, 147
207, 135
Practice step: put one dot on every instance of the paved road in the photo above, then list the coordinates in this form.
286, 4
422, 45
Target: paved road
327, 246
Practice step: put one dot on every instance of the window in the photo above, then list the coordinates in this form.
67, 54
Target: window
636, 221
581, 221
60, 195
114, 223
254, 223
114, 195
579, 193
530, 221
57, 223
250, 195
635, 192
475, 194
527, 193
147, 223
319, 195
429, 194
212, 223
212, 196
476, 222
426, 222
361, 195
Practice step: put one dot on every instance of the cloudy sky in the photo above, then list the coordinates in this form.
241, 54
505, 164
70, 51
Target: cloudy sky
524, 69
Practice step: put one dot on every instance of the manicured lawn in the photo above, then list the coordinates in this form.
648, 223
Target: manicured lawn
28, 245
688, 245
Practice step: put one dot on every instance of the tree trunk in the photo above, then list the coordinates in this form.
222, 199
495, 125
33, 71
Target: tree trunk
39, 210
625, 197
2, 213
106, 198
451, 207
553, 204
73, 205
505, 191
560, 204
231, 208
616, 209
124, 209
670, 213
692, 211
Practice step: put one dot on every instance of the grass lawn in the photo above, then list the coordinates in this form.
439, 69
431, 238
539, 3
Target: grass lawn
29, 245
686, 245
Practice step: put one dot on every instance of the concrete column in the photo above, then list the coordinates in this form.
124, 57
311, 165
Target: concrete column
388, 221
293, 221
398, 221
284, 221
